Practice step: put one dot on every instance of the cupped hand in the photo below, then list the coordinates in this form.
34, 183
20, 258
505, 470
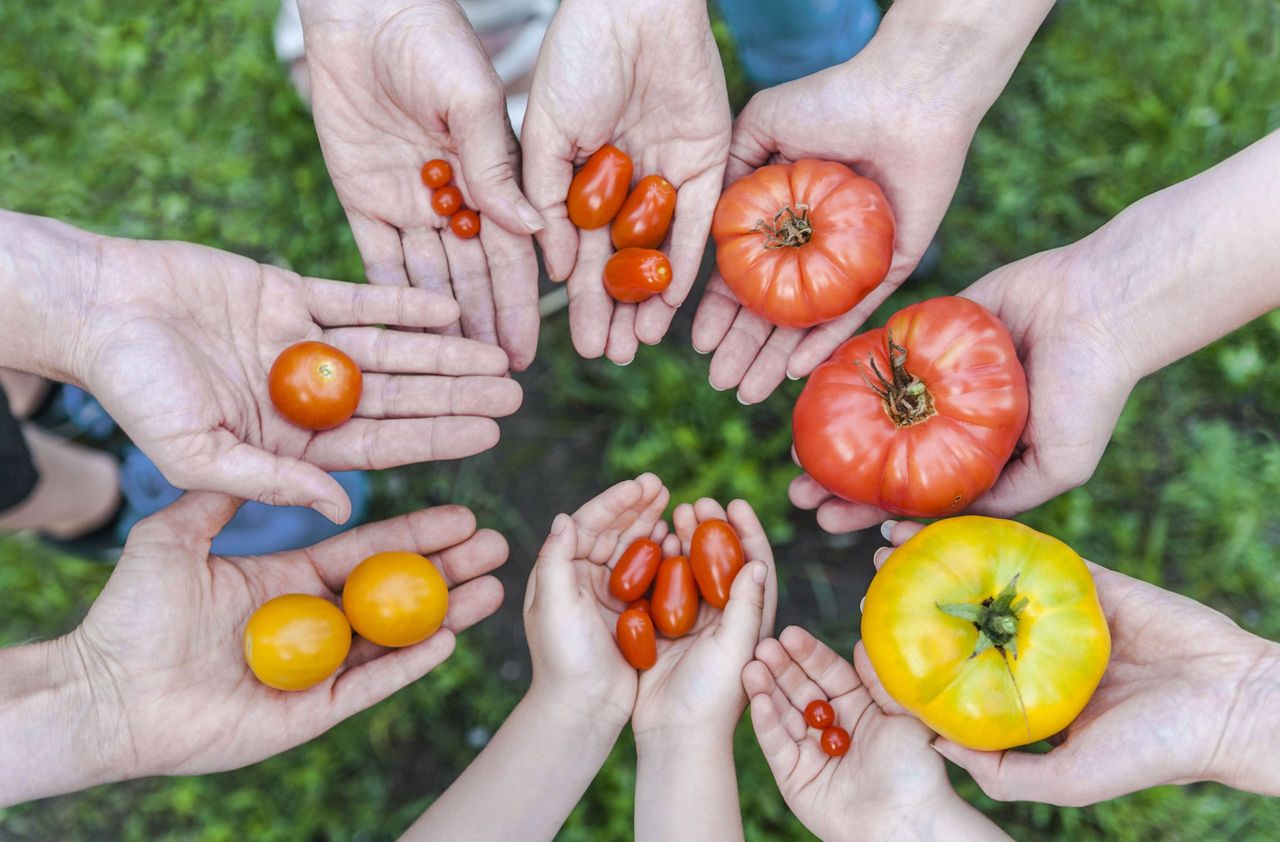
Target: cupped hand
397, 83
163, 643
570, 616
646, 77
179, 341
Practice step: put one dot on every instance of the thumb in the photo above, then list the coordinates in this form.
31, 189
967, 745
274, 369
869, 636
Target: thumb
246, 471
1010, 775
485, 146
193, 520
744, 614
553, 573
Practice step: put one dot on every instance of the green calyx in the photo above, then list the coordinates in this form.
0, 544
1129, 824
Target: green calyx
996, 619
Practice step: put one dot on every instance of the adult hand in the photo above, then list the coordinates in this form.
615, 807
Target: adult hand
396, 83
644, 76
1188, 696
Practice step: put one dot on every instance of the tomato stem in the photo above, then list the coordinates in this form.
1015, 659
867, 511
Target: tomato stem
906, 399
793, 232
996, 619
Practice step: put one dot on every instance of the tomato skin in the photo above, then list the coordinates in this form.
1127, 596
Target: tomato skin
675, 597
634, 275
925, 657
819, 714
846, 439
395, 598
716, 557
645, 217
436, 173
635, 570
296, 641
636, 638
315, 385
446, 201
598, 189
643, 604
835, 741
847, 252
465, 224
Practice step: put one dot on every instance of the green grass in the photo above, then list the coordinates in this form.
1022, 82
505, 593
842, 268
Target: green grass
173, 121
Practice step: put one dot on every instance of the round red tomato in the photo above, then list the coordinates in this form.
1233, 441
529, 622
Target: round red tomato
802, 243
646, 215
716, 557
675, 597
446, 201
395, 598
315, 385
296, 641
819, 714
636, 639
835, 741
635, 570
918, 417
599, 188
633, 275
465, 224
436, 173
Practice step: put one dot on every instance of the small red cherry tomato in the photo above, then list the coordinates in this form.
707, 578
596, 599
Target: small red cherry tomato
436, 173
636, 638
716, 557
819, 714
599, 188
632, 275
675, 597
646, 215
634, 572
446, 201
465, 224
835, 741
315, 385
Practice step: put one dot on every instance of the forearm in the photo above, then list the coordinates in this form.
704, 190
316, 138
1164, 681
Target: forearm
1248, 755
932, 820
528, 778
687, 789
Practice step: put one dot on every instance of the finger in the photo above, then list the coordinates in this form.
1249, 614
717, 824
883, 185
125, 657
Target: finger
839, 516
705, 509
685, 521
590, 307
715, 315
602, 519
821, 342
806, 493
753, 136
548, 171
738, 351
428, 268
513, 270
743, 614
769, 368
653, 320
671, 546
485, 144
791, 680
363, 444
757, 680
193, 520
832, 673
242, 470
425, 532
647, 524
776, 744
622, 344
380, 249
334, 304
1027, 481
867, 675
397, 352
472, 287
755, 544
898, 532
405, 396
556, 579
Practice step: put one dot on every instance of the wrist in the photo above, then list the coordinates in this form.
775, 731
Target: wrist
672, 744
1246, 756
593, 725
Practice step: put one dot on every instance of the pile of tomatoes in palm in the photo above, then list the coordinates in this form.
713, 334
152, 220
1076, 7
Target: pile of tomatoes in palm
446, 200
715, 557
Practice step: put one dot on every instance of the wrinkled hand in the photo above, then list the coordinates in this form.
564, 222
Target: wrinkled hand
397, 83
1078, 374
180, 339
163, 651
1188, 696
646, 77
570, 616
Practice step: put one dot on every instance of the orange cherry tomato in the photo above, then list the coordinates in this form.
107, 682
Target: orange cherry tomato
716, 557
675, 597
636, 638
819, 714
446, 201
296, 641
634, 572
436, 173
395, 598
465, 224
632, 275
315, 385
599, 188
646, 215
835, 741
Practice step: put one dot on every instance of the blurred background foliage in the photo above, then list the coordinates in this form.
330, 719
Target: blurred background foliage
174, 121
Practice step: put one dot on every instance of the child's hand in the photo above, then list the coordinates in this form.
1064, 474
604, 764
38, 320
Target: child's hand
569, 614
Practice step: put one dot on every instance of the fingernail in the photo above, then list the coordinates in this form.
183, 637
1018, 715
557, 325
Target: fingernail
886, 528
714, 386
628, 362
758, 571
791, 376
862, 603
881, 555
558, 525
740, 400
698, 350
331, 511
530, 217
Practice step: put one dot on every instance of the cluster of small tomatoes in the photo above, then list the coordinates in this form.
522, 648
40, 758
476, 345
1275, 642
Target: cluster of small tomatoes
835, 741
715, 557
446, 199
600, 194
394, 599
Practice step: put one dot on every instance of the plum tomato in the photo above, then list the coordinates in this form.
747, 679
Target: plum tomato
636, 639
633, 275
315, 385
395, 598
716, 557
643, 604
635, 570
646, 215
599, 188
465, 224
835, 741
675, 597
296, 641
446, 201
436, 173
819, 714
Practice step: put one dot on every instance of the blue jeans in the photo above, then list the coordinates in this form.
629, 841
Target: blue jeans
781, 40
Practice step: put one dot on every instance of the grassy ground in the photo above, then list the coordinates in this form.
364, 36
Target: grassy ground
172, 121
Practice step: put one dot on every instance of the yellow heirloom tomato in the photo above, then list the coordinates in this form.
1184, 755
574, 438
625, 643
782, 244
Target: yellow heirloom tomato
987, 630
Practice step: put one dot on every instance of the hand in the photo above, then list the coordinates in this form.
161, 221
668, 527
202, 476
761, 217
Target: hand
889, 785
646, 77
397, 83
178, 340
570, 616
1188, 696
162, 645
